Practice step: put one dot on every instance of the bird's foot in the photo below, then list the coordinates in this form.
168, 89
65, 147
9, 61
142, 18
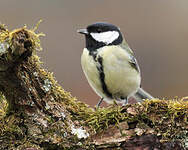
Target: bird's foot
99, 103
124, 101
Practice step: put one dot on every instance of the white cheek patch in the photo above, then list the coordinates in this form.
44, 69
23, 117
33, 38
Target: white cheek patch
105, 37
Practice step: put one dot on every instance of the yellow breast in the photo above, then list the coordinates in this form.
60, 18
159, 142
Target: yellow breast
120, 78
89, 67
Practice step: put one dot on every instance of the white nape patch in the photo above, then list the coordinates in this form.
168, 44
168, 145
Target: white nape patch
105, 37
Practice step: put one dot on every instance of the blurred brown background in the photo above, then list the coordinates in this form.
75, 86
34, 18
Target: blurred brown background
157, 31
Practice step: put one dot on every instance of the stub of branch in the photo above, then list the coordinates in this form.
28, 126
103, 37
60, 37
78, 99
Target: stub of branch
41, 115
16, 46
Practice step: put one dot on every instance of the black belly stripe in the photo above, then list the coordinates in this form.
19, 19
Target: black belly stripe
102, 76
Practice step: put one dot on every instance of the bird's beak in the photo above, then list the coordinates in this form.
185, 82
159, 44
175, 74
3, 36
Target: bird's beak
82, 31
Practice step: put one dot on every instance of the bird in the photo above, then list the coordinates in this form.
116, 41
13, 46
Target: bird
110, 66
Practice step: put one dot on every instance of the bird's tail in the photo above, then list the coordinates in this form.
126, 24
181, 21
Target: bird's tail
141, 94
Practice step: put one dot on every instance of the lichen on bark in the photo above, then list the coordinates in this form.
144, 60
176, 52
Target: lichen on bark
36, 112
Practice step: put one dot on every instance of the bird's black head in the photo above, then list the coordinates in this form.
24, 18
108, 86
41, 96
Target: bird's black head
101, 34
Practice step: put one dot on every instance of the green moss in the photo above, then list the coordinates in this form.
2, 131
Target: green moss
3, 106
166, 117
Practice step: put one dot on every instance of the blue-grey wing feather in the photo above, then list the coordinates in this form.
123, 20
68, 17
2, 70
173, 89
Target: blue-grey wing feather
133, 63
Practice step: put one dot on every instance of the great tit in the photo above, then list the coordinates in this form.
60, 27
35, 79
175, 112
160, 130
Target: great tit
109, 64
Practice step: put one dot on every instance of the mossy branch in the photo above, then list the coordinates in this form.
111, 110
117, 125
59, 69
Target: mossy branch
35, 111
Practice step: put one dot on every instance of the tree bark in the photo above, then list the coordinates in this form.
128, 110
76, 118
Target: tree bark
40, 114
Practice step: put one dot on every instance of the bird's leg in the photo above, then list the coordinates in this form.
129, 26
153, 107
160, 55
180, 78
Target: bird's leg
99, 102
125, 101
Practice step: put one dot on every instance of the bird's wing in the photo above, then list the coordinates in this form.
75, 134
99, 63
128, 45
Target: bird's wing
133, 63
132, 59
